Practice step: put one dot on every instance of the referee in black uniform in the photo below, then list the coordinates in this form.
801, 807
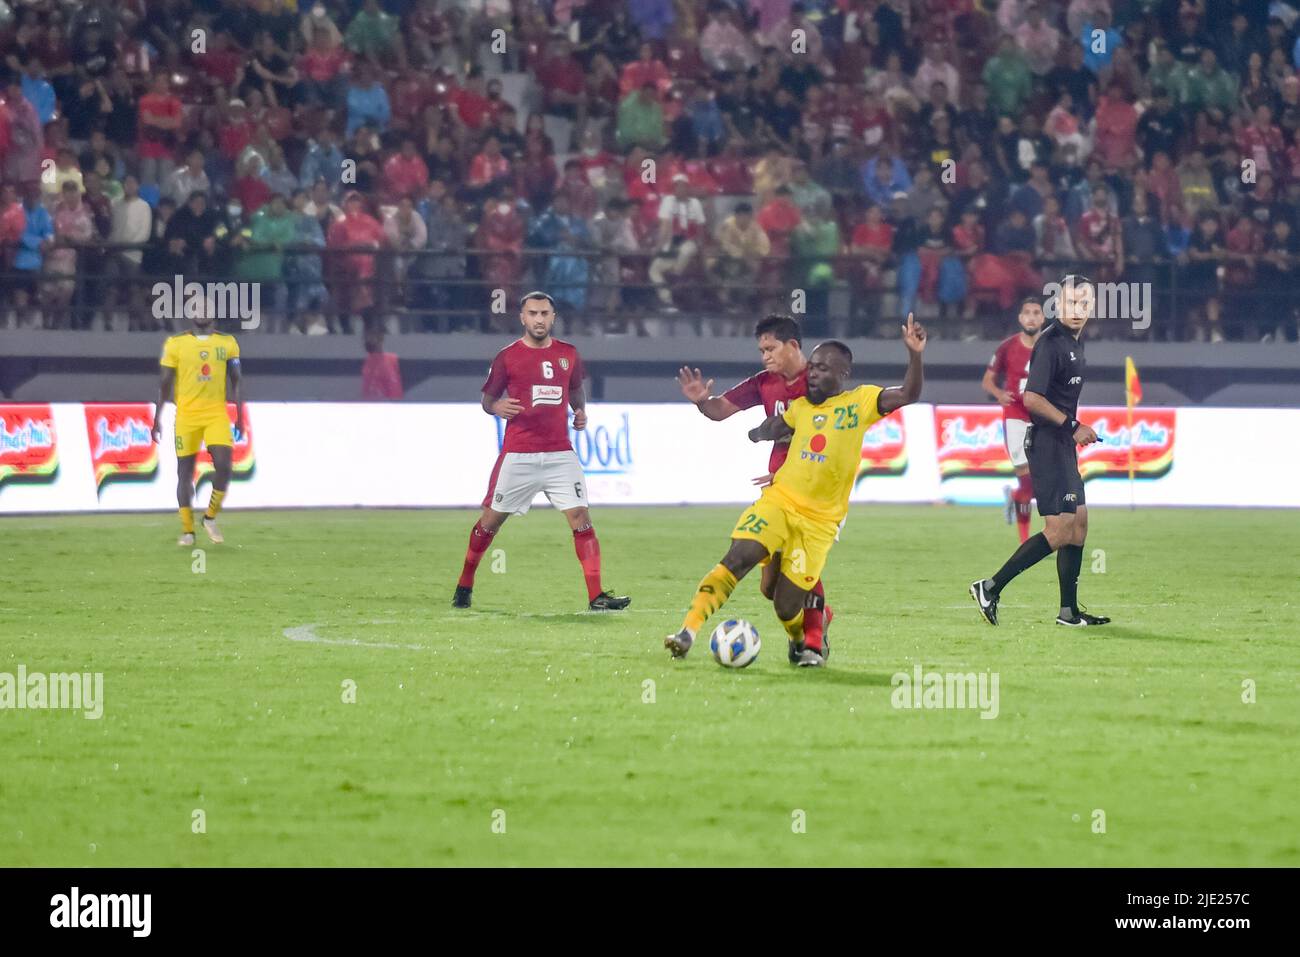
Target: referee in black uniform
1051, 443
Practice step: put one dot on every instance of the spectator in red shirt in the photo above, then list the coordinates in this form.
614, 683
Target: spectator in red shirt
488, 168
237, 131
581, 195
563, 82
160, 122
536, 175
250, 189
1262, 142
13, 222
355, 270
730, 170
470, 101
779, 218
380, 376
223, 64
645, 69
321, 71
501, 234
405, 173
1116, 119
873, 240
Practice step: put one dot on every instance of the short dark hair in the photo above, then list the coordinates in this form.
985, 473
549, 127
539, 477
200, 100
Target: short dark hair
839, 347
535, 294
782, 328
1029, 301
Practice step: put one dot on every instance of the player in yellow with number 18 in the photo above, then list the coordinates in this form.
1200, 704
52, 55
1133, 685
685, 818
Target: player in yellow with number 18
799, 514
197, 365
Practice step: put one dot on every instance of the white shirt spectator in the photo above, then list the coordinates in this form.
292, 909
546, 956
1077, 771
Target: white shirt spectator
132, 223
930, 73
687, 215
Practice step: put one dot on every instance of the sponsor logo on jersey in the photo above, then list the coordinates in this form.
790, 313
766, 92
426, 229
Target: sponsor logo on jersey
548, 395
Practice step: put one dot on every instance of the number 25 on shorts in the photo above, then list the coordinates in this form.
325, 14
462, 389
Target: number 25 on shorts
752, 523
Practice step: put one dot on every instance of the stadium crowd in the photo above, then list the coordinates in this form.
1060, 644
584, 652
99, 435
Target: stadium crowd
400, 163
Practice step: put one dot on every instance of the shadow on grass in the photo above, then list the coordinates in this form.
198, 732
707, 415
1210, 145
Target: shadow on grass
1118, 631
828, 675
559, 617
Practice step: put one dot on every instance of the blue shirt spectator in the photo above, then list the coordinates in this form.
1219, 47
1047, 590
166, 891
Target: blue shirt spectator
40, 227
880, 192
367, 104
323, 159
38, 92
1106, 40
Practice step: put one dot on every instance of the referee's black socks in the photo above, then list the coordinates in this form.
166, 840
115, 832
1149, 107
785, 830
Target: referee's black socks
1033, 551
1069, 560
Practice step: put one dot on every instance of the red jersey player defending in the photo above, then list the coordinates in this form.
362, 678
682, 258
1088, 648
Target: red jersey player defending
531, 384
784, 378
1010, 366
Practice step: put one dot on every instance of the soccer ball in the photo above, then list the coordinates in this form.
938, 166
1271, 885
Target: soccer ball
734, 644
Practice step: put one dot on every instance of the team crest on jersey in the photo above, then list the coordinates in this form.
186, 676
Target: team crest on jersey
564, 364
819, 421
203, 354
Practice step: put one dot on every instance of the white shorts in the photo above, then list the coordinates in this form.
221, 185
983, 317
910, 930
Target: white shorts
1015, 435
519, 476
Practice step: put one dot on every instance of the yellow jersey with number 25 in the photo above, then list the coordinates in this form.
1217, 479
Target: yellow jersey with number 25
200, 364
825, 452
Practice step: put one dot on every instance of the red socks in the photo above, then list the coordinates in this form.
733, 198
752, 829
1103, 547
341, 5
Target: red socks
814, 612
1021, 497
588, 551
479, 540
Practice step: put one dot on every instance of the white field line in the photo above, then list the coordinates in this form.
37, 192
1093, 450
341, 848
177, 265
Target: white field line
307, 633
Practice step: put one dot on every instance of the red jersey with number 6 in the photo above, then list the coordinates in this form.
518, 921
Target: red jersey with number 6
775, 394
540, 379
1010, 368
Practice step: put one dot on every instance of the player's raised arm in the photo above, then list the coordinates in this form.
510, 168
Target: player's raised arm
895, 397
774, 428
695, 389
166, 383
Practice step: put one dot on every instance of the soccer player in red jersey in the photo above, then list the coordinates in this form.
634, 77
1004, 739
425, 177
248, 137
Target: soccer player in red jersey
532, 383
1010, 366
784, 378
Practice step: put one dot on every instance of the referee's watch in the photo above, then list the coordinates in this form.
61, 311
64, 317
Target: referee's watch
1071, 425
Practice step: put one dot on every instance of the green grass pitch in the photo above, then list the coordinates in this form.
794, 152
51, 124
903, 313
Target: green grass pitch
520, 733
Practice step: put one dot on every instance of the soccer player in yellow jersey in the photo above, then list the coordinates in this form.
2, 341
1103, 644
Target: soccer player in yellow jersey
197, 365
799, 514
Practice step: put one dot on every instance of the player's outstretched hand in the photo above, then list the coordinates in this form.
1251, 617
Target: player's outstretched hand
693, 385
1084, 435
913, 335
579, 419
506, 407
763, 481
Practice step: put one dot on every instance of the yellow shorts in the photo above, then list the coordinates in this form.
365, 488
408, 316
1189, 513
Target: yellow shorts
804, 543
209, 430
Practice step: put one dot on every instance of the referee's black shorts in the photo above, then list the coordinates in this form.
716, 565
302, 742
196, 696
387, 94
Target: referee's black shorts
1054, 470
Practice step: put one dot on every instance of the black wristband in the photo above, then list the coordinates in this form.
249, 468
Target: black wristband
1071, 425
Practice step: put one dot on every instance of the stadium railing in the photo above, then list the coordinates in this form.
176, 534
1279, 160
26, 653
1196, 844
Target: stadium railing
476, 289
